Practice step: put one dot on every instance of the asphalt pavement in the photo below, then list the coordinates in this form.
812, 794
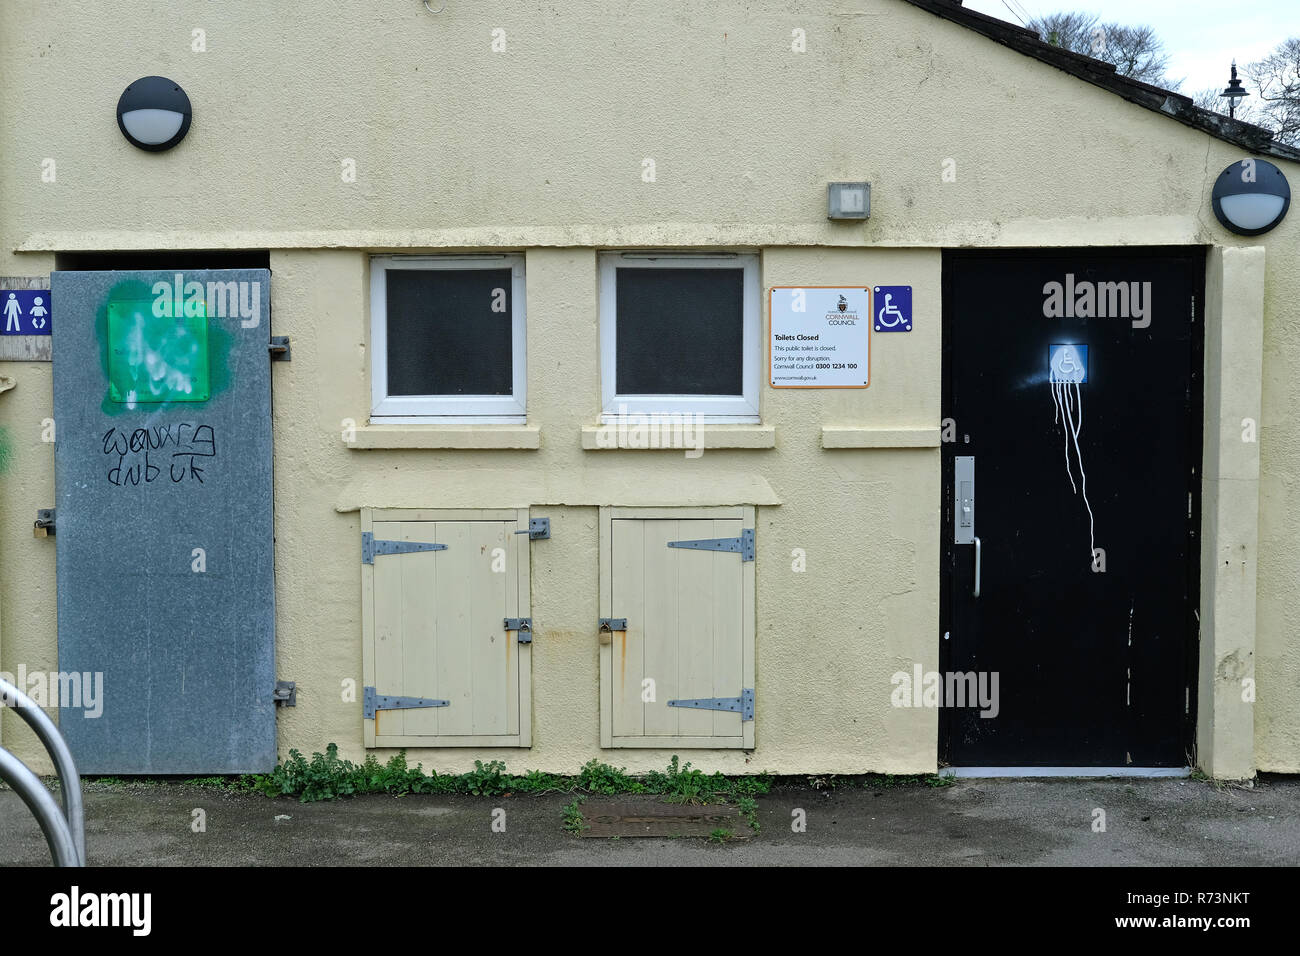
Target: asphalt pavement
1080, 822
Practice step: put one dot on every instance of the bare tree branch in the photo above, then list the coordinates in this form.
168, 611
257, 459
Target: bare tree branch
1136, 52
1070, 31
1276, 79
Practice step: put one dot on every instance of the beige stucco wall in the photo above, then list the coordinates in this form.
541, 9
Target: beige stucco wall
824, 664
540, 148
1234, 331
1277, 649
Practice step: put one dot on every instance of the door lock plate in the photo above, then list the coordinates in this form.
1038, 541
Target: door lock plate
963, 516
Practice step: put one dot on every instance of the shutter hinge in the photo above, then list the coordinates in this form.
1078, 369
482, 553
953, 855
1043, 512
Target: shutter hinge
743, 545
285, 694
370, 547
371, 702
538, 529
743, 705
524, 625
279, 348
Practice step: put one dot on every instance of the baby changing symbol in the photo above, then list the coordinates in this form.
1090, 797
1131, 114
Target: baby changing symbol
892, 305
26, 311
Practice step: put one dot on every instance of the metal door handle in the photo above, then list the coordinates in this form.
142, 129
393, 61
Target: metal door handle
977, 566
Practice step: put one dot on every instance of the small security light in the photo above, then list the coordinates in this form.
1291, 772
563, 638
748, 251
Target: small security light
1251, 197
848, 200
154, 113
1234, 92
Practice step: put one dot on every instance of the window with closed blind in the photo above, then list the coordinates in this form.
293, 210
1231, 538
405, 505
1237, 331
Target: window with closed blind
447, 338
680, 335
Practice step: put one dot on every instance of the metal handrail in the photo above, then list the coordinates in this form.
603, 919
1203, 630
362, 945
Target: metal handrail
74, 816
42, 804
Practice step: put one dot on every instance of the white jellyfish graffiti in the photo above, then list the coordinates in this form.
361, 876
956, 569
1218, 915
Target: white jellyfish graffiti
1068, 369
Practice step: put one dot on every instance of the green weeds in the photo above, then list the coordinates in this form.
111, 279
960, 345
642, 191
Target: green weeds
573, 822
327, 776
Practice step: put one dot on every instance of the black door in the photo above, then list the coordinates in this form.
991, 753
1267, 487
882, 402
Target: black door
1072, 390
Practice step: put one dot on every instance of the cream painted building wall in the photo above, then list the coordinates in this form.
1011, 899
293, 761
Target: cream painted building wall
540, 148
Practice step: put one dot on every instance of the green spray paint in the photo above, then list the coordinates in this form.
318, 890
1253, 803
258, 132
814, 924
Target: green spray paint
153, 359
6, 451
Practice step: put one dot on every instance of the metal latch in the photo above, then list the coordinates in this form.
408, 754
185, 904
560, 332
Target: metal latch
44, 526
538, 529
279, 348
608, 625
743, 705
371, 702
371, 547
743, 545
963, 529
524, 625
286, 693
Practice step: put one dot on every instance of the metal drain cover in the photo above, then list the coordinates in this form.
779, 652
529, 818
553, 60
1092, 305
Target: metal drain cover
651, 818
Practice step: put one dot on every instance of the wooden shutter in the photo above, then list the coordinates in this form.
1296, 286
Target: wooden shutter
435, 628
690, 629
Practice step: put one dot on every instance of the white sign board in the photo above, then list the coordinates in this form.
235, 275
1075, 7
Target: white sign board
821, 337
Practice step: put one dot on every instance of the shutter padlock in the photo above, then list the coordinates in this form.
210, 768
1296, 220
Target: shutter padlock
608, 625
523, 625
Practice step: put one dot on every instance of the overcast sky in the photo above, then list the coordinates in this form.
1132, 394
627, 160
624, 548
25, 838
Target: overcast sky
1201, 36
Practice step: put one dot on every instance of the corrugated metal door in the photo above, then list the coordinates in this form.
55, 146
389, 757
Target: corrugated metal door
162, 399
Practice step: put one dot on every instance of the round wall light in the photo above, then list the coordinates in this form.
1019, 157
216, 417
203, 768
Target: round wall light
1251, 197
154, 113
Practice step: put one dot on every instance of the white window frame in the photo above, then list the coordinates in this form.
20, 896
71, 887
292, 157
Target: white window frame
722, 409
446, 409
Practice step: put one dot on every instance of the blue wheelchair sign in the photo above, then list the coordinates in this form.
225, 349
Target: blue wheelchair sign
1067, 362
892, 305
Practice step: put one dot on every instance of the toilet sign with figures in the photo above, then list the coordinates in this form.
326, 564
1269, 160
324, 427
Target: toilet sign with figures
25, 311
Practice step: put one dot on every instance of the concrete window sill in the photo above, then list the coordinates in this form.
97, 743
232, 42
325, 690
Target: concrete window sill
859, 436
446, 436
670, 438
